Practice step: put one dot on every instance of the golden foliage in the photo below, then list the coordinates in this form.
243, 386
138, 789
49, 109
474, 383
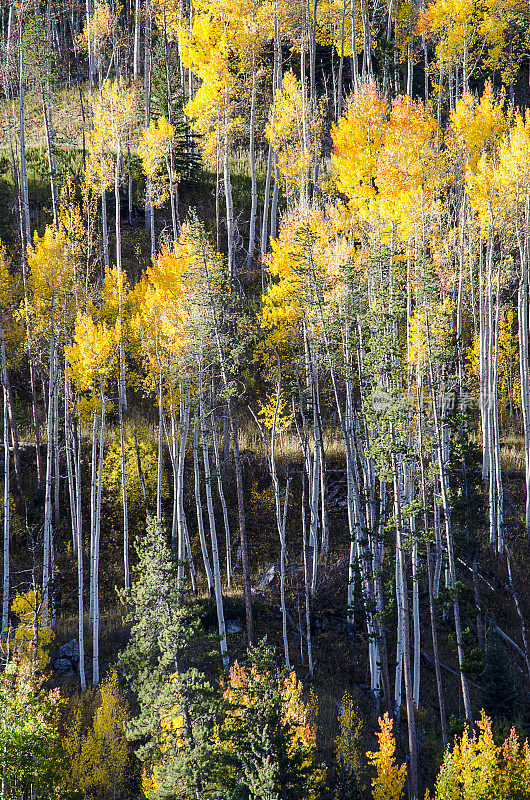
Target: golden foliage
390, 778
98, 758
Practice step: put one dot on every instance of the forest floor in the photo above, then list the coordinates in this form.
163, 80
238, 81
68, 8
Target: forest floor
340, 660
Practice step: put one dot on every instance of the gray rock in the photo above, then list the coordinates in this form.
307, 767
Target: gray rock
63, 667
268, 576
70, 651
233, 626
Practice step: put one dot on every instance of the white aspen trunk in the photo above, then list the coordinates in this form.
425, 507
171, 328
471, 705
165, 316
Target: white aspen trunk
80, 569
229, 204
280, 523
226, 522
159, 460
313, 506
95, 626
173, 451
416, 621
265, 218
449, 537
198, 506
398, 681
187, 555
409, 495
213, 532
275, 195
306, 581
136, 46
304, 188
499, 497
48, 125
354, 61
182, 525
6, 577
24, 194
341, 63
490, 357
437, 542
523, 310
105, 232
93, 492
411, 722
432, 610
56, 473
252, 160
124, 493
73, 461
483, 342
46, 565
68, 446
280, 519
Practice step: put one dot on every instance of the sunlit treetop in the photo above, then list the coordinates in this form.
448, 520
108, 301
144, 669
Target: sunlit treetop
477, 125
358, 140
409, 167
101, 29
329, 27
156, 148
114, 116
92, 355
294, 132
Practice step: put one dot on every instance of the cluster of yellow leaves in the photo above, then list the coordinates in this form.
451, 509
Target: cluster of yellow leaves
281, 416
477, 125
294, 130
98, 758
32, 629
92, 355
434, 341
101, 28
347, 751
114, 115
387, 160
509, 379
390, 779
51, 278
330, 16
358, 140
173, 311
490, 34
476, 767
308, 262
207, 49
156, 145
10, 321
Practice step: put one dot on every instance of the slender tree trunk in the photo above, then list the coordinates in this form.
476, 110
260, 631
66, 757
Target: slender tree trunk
46, 566
307, 592
228, 541
6, 577
213, 531
449, 539
95, 626
198, 506
411, 722
252, 159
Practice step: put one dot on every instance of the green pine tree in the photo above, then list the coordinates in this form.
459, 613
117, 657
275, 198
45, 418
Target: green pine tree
175, 701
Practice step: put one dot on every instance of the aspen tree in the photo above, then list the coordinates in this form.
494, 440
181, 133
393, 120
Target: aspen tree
156, 149
8, 298
91, 358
